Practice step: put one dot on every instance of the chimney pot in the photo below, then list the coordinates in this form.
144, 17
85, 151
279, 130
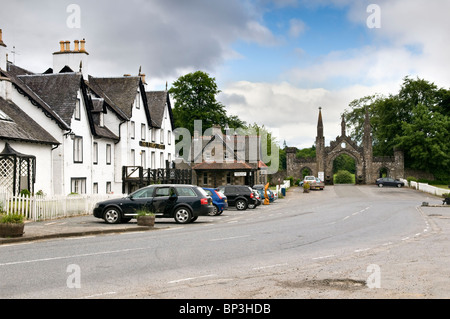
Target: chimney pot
77, 45
67, 46
83, 44
61, 43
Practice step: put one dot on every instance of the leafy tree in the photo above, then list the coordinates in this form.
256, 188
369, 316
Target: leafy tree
195, 99
417, 120
307, 152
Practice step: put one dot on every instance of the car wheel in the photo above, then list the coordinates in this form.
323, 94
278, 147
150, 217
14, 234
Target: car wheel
241, 204
193, 219
112, 216
399, 185
183, 215
251, 206
380, 185
215, 212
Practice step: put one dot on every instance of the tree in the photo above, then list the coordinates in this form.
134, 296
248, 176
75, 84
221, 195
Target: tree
416, 120
195, 99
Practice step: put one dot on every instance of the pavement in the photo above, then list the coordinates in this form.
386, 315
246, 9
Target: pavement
73, 227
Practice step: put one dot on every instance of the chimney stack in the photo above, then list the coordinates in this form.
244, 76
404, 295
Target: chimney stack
3, 53
1, 39
72, 59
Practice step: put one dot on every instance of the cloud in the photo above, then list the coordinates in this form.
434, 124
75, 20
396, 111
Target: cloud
296, 27
165, 37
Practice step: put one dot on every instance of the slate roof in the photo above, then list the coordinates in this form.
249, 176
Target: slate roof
22, 127
119, 92
60, 91
157, 101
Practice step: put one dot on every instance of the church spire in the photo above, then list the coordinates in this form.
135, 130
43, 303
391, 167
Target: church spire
320, 124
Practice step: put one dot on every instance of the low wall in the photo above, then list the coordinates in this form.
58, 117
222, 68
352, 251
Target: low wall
429, 189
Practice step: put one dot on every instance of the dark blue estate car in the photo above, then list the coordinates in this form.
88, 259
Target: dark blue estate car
184, 203
220, 201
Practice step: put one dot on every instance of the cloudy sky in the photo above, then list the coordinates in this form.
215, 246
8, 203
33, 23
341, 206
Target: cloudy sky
276, 61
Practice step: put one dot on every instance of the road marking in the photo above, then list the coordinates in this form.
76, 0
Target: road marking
71, 256
406, 238
323, 257
229, 238
271, 266
361, 250
346, 217
189, 279
100, 295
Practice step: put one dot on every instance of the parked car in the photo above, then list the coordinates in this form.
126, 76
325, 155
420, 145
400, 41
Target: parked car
387, 181
319, 184
270, 194
238, 196
184, 203
258, 200
220, 201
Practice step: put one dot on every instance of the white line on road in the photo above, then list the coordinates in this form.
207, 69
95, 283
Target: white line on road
323, 257
361, 250
229, 238
189, 279
100, 295
271, 266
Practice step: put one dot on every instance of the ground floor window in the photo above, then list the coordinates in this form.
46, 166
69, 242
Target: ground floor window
78, 185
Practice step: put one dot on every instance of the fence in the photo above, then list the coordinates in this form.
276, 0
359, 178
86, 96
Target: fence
39, 208
429, 189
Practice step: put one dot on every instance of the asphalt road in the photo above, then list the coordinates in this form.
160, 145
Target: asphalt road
343, 242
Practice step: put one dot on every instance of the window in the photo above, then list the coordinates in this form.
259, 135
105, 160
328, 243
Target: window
102, 119
78, 110
161, 134
95, 153
161, 158
108, 154
153, 134
108, 188
78, 185
133, 130
205, 178
163, 191
132, 158
185, 191
169, 137
229, 178
153, 160
143, 132
95, 188
143, 159
138, 101
78, 149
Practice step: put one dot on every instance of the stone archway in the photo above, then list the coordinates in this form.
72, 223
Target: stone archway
303, 172
355, 155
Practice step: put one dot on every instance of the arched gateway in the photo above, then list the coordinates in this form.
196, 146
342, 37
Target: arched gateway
368, 168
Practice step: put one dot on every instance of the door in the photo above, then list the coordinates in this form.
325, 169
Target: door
164, 199
140, 200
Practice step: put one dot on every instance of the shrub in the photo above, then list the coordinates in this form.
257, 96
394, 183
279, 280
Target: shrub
25, 192
343, 177
11, 219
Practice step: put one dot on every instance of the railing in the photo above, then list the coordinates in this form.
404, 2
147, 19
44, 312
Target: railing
37, 208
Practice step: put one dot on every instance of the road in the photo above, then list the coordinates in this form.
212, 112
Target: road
343, 242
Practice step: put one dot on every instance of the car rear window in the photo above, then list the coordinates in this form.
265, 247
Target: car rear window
185, 191
202, 191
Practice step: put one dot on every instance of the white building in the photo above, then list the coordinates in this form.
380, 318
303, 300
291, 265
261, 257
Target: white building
99, 126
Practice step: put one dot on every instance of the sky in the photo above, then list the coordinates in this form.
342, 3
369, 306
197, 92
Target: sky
275, 61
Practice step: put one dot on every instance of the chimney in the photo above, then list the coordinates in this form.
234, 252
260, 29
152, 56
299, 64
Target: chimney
77, 60
3, 54
67, 44
1, 39
83, 45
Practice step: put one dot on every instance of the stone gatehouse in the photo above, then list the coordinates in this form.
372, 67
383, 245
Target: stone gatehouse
368, 167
